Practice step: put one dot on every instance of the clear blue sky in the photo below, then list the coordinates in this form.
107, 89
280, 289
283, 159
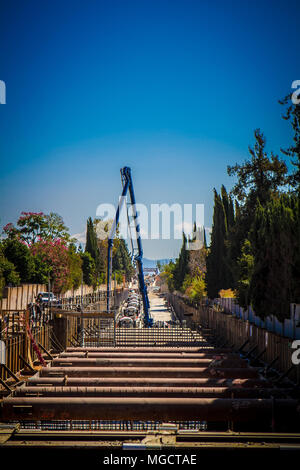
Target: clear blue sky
173, 89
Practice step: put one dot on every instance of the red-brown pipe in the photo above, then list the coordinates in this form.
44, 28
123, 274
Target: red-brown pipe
150, 349
134, 362
158, 409
132, 391
146, 381
245, 372
172, 355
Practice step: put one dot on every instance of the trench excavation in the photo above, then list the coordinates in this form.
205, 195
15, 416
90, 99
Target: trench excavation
215, 386
134, 368
172, 380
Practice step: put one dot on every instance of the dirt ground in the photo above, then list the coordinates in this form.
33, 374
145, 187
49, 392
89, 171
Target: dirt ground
158, 308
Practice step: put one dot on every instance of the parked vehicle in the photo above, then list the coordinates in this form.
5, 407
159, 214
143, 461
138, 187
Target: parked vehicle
47, 298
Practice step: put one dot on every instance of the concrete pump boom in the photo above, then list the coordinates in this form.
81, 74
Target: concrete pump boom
128, 185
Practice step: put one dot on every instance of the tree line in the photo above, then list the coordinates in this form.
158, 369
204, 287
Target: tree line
187, 273
255, 240
39, 249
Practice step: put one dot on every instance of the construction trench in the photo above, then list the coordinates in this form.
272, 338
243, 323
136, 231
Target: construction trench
161, 387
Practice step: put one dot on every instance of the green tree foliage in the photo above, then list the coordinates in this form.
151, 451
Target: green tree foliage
35, 226
91, 239
121, 260
259, 177
167, 275
8, 274
293, 151
93, 247
181, 268
276, 273
38, 250
264, 240
55, 228
258, 180
88, 269
204, 241
54, 256
32, 226
187, 274
219, 275
19, 254
245, 265
194, 287
42, 268
75, 268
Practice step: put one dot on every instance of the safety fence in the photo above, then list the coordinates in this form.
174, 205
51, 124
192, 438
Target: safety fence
17, 298
16, 349
270, 347
90, 324
289, 327
99, 331
53, 331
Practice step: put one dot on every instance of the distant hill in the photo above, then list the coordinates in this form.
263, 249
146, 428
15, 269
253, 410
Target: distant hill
152, 263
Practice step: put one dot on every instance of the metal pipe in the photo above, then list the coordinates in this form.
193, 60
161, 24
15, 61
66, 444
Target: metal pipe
172, 355
170, 391
149, 349
158, 409
8, 389
149, 381
150, 372
134, 362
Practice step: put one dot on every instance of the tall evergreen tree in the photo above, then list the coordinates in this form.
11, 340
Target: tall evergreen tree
258, 180
218, 267
93, 248
276, 273
19, 254
259, 177
204, 238
181, 268
88, 269
121, 261
245, 265
293, 151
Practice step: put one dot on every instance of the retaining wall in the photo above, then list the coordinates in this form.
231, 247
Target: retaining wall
236, 331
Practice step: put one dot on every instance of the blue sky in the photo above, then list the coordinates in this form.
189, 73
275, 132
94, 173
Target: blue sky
173, 89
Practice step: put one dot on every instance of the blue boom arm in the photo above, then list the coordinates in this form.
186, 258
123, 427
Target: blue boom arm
127, 185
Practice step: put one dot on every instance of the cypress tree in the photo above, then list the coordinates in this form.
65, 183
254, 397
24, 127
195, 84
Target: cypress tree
259, 179
181, 268
204, 238
276, 272
293, 151
88, 269
218, 267
92, 247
